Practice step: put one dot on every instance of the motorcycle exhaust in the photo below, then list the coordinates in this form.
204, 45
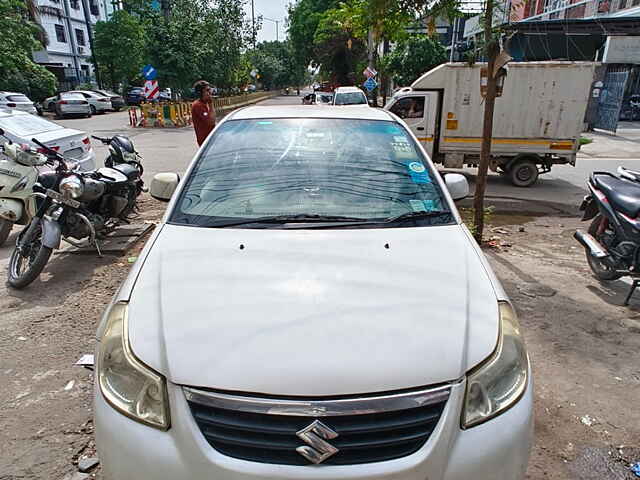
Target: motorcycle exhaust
587, 241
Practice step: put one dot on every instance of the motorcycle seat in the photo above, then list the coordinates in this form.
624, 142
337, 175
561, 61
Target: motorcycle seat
624, 195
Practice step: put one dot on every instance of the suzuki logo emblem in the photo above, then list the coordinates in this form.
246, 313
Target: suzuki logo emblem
315, 435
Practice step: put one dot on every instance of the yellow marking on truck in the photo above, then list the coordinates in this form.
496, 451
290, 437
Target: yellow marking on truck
556, 145
425, 139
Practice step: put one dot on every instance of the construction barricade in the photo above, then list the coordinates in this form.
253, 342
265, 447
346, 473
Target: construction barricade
178, 114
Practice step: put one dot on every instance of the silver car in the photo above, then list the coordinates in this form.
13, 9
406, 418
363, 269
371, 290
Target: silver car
97, 102
69, 103
16, 101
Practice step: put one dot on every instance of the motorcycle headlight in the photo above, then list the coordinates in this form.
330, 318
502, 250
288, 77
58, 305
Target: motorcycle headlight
71, 187
499, 382
130, 386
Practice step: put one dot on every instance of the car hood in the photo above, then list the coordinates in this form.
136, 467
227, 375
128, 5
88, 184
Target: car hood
313, 312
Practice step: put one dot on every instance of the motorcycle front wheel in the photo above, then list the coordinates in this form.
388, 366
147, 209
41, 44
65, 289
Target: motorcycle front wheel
5, 230
28, 261
601, 270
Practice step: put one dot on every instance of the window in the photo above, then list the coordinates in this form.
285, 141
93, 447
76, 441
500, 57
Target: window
409, 107
60, 36
80, 37
350, 98
75, 4
360, 169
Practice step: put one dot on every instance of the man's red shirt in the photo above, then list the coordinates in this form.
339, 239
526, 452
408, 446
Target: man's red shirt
204, 119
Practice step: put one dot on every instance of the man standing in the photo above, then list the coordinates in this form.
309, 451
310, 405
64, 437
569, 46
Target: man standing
202, 112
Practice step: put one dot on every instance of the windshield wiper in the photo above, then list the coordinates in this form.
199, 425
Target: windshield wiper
300, 218
416, 215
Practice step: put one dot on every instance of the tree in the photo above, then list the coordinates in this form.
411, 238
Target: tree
413, 57
19, 37
119, 48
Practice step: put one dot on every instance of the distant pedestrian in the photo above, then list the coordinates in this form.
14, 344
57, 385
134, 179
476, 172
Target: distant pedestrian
202, 112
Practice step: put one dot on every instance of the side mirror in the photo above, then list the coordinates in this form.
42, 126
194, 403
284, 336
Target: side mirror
163, 185
457, 185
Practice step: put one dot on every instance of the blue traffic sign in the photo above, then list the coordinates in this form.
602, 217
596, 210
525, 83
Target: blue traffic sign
370, 84
149, 72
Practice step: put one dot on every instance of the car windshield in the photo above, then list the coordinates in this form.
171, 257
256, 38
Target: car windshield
330, 169
350, 98
18, 98
26, 125
72, 96
103, 93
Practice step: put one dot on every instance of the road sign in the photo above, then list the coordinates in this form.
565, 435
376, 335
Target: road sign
149, 72
369, 72
151, 89
370, 84
254, 73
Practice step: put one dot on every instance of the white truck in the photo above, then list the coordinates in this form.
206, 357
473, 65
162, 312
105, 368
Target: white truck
537, 122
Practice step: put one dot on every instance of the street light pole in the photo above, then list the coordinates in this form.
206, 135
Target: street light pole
274, 21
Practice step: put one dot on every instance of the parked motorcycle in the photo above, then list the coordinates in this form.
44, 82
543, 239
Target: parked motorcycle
612, 241
74, 206
18, 174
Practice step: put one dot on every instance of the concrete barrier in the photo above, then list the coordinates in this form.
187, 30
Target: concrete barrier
178, 114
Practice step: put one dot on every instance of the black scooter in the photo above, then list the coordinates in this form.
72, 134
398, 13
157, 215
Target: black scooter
612, 242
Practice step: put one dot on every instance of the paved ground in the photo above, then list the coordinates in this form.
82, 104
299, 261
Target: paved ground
583, 344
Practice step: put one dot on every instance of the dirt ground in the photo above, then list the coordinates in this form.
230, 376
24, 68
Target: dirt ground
583, 344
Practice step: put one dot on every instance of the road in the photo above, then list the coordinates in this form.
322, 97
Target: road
583, 344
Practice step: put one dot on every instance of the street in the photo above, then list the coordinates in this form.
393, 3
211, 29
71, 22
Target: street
583, 343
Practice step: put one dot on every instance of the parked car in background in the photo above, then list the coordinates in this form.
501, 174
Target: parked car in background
420, 369
135, 96
16, 101
98, 103
117, 102
349, 96
49, 104
318, 98
68, 103
74, 145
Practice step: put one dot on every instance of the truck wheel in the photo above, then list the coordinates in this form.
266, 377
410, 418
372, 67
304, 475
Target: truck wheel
523, 172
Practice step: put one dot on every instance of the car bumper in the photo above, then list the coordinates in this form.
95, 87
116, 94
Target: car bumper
103, 107
75, 110
497, 449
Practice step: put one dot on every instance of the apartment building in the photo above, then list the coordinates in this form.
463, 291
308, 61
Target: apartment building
68, 52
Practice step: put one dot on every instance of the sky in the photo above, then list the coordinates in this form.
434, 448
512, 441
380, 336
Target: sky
274, 9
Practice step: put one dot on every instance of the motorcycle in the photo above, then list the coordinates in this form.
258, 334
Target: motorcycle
74, 206
612, 241
122, 152
18, 174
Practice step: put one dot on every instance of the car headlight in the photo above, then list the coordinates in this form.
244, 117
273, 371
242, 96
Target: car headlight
71, 187
126, 383
499, 382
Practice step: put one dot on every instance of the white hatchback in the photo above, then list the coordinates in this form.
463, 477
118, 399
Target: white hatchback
98, 103
312, 307
349, 96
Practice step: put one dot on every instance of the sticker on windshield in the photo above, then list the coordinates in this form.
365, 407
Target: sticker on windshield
418, 172
417, 205
265, 123
401, 139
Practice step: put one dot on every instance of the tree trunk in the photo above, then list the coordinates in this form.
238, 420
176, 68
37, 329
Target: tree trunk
487, 127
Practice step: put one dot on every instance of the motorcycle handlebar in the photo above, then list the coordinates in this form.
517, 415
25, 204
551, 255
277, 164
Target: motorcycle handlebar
103, 140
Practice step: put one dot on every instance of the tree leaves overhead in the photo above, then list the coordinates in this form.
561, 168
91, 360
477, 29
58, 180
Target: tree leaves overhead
18, 39
413, 57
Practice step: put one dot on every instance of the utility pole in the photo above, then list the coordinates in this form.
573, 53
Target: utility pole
253, 22
454, 38
87, 19
492, 49
274, 21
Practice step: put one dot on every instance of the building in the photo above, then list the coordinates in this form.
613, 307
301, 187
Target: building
68, 53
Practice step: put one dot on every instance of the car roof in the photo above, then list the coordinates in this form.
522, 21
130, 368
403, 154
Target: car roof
363, 112
348, 90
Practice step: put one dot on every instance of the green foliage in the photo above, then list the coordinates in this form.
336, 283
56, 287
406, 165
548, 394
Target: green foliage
18, 39
120, 48
277, 65
413, 57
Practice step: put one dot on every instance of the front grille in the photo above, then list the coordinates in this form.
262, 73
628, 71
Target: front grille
389, 433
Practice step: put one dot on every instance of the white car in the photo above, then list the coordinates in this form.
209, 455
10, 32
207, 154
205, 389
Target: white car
349, 96
98, 103
22, 127
312, 307
70, 103
16, 101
